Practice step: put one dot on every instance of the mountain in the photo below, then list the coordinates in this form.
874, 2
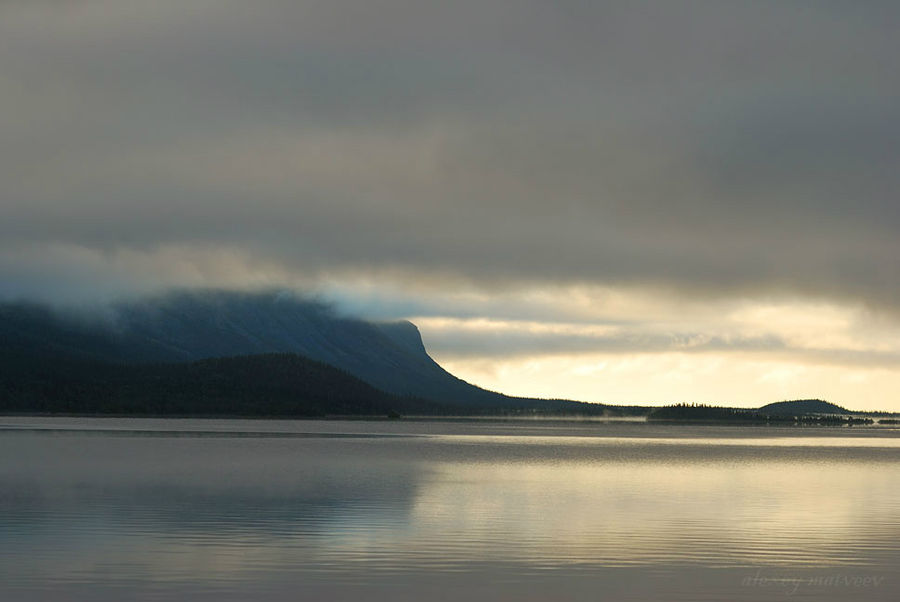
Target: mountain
802, 407
190, 326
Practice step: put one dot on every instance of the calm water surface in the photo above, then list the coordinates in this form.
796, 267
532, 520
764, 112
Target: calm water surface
139, 509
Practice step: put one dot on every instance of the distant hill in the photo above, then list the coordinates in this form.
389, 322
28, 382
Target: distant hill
258, 385
802, 407
190, 326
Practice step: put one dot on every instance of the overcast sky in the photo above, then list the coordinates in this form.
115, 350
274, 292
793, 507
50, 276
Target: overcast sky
614, 201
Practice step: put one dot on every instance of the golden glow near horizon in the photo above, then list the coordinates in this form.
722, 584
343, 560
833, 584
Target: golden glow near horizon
642, 348
659, 379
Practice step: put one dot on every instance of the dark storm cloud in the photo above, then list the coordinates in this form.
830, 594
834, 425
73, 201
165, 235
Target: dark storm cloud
724, 147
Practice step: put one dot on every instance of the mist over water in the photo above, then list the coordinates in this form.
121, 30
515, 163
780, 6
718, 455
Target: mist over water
110, 509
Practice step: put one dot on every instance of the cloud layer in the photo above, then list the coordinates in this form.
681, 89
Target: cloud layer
705, 145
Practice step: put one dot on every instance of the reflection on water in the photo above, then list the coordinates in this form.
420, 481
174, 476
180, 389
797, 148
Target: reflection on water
286, 510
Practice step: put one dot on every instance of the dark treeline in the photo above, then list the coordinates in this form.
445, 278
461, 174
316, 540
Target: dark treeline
280, 384
706, 413
686, 411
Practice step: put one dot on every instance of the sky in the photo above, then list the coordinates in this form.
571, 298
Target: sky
624, 201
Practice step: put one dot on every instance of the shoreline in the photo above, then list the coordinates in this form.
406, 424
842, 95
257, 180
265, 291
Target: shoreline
862, 421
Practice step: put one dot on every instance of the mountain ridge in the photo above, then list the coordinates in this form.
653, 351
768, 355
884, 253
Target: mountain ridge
190, 326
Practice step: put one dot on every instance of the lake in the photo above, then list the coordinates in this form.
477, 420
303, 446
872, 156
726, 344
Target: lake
164, 509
